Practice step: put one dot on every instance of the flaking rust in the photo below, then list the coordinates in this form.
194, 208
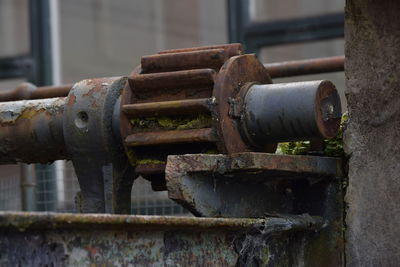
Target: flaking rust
73, 239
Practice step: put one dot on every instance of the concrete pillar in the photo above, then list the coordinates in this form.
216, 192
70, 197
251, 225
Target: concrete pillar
372, 138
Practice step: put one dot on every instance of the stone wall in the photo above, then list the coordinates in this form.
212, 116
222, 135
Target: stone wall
372, 137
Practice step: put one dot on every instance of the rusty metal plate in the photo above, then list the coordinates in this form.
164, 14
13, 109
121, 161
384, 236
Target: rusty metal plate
249, 184
49, 239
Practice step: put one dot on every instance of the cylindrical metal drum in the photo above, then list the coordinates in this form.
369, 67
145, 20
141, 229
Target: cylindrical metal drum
290, 111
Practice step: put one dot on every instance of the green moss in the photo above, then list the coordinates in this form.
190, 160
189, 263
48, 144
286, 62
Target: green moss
201, 121
171, 123
332, 147
149, 161
294, 148
212, 151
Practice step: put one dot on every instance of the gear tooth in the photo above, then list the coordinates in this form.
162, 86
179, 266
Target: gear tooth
171, 137
170, 80
210, 58
176, 107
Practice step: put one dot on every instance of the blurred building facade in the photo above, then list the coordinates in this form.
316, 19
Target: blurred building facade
107, 38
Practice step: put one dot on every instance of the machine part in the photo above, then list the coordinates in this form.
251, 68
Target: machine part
305, 67
51, 239
27, 91
169, 105
190, 101
263, 184
236, 73
104, 174
184, 101
248, 184
32, 131
290, 111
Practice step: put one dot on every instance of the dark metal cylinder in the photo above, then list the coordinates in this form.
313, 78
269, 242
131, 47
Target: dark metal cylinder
31, 131
289, 112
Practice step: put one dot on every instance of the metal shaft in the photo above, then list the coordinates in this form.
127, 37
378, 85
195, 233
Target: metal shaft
27, 91
305, 67
290, 111
31, 131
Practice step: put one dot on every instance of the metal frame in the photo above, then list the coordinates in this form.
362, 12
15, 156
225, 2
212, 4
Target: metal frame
254, 35
37, 65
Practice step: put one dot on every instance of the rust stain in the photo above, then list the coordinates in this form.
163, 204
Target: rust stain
71, 100
95, 89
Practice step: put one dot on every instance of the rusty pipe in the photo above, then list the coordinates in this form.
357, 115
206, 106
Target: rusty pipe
26, 91
305, 67
31, 131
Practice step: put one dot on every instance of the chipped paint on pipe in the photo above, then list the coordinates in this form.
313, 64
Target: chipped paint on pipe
31, 131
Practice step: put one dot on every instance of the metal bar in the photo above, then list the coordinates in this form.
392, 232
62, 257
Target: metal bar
256, 35
27, 91
51, 91
259, 35
38, 220
305, 67
238, 17
172, 80
176, 107
211, 58
263, 34
41, 50
170, 137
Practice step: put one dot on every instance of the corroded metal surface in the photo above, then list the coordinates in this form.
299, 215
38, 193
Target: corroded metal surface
290, 111
170, 137
168, 104
248, 184
305, 67
236, 73
256, 184
104, 173
74, 240
190, 106
31, 131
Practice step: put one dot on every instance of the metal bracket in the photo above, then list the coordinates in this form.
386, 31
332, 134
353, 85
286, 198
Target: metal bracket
248, 184
105, 177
